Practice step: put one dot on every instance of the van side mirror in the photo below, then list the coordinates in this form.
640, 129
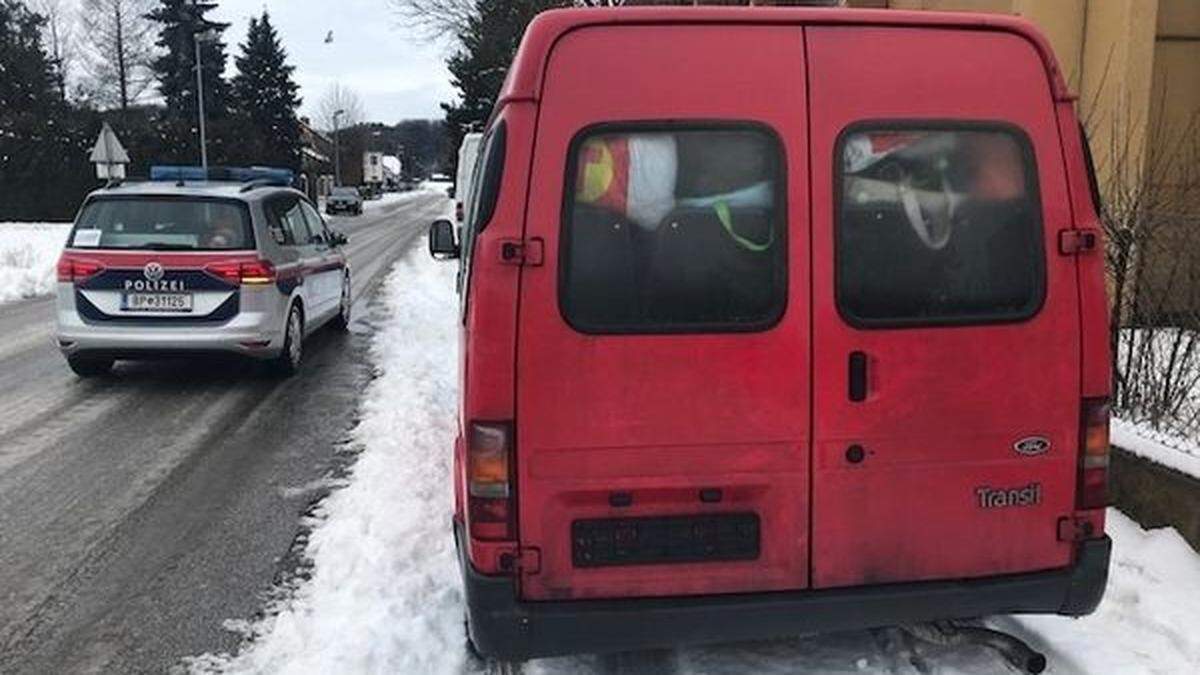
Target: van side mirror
337, 239
442, 245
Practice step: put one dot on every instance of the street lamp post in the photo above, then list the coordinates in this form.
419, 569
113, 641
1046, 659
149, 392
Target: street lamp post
337, 156
196, 38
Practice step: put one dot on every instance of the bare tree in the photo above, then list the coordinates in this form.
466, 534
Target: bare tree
338, 97
119, 42
445, 19
58, 35
1151, 218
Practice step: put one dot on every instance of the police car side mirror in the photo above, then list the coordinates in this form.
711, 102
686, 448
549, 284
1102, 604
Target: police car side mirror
442, 245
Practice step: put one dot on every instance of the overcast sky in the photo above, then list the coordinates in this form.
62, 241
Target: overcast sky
397, 75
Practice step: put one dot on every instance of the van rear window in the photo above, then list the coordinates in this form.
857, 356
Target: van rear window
670, 229
938, 226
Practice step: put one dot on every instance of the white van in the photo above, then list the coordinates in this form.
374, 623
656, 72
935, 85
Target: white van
467, 152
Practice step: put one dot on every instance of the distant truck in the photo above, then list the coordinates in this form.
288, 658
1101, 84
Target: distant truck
373, 175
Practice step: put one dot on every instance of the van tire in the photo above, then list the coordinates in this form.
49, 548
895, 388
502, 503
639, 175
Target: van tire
495, 667
643, 662
487, 664
292, 353
90, 366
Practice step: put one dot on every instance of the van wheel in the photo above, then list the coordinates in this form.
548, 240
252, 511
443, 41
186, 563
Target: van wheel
645, 662
288, 361
486, 664
342, 320
89, 366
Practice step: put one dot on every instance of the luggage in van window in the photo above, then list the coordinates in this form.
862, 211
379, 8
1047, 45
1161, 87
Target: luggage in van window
631, 174
722, 162
714, 263
981, 266
604, 282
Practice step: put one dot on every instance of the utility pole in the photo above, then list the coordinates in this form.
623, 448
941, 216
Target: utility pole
200, 106
337, 156
202, 31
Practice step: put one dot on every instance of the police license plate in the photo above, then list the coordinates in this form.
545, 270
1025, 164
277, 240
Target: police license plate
156, 302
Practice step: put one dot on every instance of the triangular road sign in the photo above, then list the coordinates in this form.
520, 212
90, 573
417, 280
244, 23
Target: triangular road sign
108, 150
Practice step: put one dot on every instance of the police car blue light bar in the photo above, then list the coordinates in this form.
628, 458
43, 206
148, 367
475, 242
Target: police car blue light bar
236, 174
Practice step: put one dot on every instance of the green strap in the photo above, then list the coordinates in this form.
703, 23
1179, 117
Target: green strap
726, 219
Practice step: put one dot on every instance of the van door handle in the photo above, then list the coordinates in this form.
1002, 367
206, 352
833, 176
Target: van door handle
858, 376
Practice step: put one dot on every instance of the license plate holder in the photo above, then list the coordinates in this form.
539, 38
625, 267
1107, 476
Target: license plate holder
604, 542
157, 303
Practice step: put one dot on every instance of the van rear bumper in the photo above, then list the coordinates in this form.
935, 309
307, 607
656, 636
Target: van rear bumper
503, 627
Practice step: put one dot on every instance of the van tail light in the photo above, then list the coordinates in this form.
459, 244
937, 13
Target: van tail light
243, 272
72, 268
1093, 459
489, 480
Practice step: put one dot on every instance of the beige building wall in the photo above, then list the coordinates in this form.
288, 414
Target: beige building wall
1175, 102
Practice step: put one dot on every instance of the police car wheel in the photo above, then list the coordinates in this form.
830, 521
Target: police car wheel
288, 361
342, 321
90, 366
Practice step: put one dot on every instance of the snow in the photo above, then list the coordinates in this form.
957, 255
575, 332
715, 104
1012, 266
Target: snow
391, 198
28, 255
1148, 620
442, 186
1171, 451
384, 594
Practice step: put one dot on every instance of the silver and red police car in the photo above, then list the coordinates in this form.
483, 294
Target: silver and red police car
178, 266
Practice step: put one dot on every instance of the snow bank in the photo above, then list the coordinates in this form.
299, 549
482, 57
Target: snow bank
1171, 451
1148, 620
28, 253
441, 186
384, 596
392, 198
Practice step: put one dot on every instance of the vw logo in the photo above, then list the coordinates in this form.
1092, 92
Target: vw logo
153, 271
1032, 445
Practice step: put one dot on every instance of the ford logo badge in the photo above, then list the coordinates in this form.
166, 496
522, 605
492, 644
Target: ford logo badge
1032, 446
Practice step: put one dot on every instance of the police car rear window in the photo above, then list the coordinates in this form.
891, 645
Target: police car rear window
674, 229
938, 225
163, 224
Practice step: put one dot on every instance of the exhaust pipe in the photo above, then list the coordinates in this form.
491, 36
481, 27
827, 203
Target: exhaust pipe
1013, 649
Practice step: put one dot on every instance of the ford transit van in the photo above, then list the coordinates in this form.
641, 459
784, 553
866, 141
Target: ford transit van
777, 321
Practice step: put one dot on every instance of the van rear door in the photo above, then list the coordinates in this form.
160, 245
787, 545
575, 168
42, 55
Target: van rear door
946, 345
663, 349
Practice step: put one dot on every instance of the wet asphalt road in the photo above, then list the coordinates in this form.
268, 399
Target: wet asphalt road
138, 512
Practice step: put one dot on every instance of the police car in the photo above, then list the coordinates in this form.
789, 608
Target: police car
186, 264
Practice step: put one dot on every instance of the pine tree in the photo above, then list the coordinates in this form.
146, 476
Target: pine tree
486, 48
179, 21
42, 158
265, 97
26, 74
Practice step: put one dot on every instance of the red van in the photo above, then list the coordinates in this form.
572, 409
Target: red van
776, 321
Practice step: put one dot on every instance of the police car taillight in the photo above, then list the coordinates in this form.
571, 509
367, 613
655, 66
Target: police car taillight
243, 272
72, 268
489, 480
1093, 456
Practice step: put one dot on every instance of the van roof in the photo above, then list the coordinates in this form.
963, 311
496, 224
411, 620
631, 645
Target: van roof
223, 189
524, 80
